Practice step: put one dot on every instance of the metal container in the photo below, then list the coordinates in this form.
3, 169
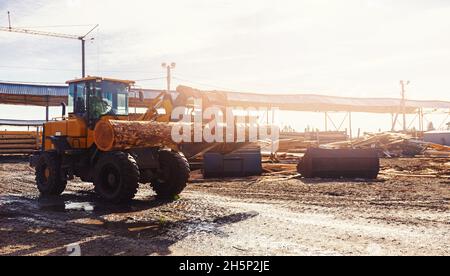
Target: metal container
337, 163
438, 137
244, 162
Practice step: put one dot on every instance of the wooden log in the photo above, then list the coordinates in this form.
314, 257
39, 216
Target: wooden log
19, 133
18, 146
437, 153
122, 135
439, 147
23, 136
18, 141
16, 151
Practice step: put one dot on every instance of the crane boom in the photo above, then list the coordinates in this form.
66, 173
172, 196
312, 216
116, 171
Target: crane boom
51, 34
33, 32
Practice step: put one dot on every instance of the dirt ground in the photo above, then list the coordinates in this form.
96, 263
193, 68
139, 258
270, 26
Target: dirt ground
276, 214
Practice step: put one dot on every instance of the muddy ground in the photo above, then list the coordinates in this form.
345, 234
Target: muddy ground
275, 214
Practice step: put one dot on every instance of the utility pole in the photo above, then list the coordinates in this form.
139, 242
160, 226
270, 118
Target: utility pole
9, 20
169, 68
83, 58
403, 85
67, 36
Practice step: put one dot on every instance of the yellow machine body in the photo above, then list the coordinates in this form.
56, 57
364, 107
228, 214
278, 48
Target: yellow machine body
74, 128
70, 149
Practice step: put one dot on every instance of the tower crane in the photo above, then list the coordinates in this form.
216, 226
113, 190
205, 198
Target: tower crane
81, 38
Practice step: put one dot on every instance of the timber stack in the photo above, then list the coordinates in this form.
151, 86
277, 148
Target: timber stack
19, 142
392, 144
297, 142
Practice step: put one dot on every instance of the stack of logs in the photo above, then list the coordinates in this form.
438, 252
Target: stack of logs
295, 142
389, 144
19, 142
392, 144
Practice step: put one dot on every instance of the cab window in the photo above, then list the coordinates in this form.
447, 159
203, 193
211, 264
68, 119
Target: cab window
108, 98
77, 98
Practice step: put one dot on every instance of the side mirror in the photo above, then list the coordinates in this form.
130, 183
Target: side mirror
141, 96
63, 106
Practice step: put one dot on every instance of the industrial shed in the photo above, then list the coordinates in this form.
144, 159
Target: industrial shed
54, 95
30, 94
51, 95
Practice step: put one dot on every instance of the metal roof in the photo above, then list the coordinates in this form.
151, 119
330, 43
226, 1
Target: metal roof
33, 90
324, 101
94, 78
6, 122
321, 103
30, 94
62, 90
151, 93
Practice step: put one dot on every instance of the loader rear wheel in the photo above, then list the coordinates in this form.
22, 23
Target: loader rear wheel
116, 177
49, 179
172, 176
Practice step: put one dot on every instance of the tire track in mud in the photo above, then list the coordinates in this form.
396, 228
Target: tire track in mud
279, 230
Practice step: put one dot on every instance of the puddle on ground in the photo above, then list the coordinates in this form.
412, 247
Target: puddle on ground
65, 206
11, 199
79, 206
215, 226
48, 204
76, 203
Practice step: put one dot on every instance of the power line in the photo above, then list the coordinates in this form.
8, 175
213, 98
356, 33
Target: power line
59, 83
69, 70
56, 26
128, 71
36, 68
204, 84
31, 82
151, 79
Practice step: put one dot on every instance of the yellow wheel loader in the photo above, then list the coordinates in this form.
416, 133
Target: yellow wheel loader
71, 147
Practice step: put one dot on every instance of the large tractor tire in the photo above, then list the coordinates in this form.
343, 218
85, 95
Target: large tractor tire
172, 176
49, 180
116, 177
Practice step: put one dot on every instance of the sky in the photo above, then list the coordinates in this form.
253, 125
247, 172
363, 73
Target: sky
359, 48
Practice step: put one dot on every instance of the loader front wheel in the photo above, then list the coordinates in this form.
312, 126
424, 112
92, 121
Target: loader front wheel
116, 177
49, 178
172, 176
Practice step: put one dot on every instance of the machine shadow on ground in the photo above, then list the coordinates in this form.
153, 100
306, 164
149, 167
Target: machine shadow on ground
14, 159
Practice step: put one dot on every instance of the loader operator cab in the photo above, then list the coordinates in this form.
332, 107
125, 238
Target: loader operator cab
94, 97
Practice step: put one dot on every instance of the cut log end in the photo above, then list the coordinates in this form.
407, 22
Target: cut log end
104, 136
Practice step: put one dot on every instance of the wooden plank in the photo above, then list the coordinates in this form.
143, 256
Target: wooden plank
437, 153
7, 132
17, 137
18, 146
16, 151
18, 141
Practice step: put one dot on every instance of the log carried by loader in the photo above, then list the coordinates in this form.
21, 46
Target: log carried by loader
99, 144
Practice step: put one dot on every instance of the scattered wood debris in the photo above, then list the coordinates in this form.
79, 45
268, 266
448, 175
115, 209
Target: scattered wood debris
391, 144
297, 142
279, 169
